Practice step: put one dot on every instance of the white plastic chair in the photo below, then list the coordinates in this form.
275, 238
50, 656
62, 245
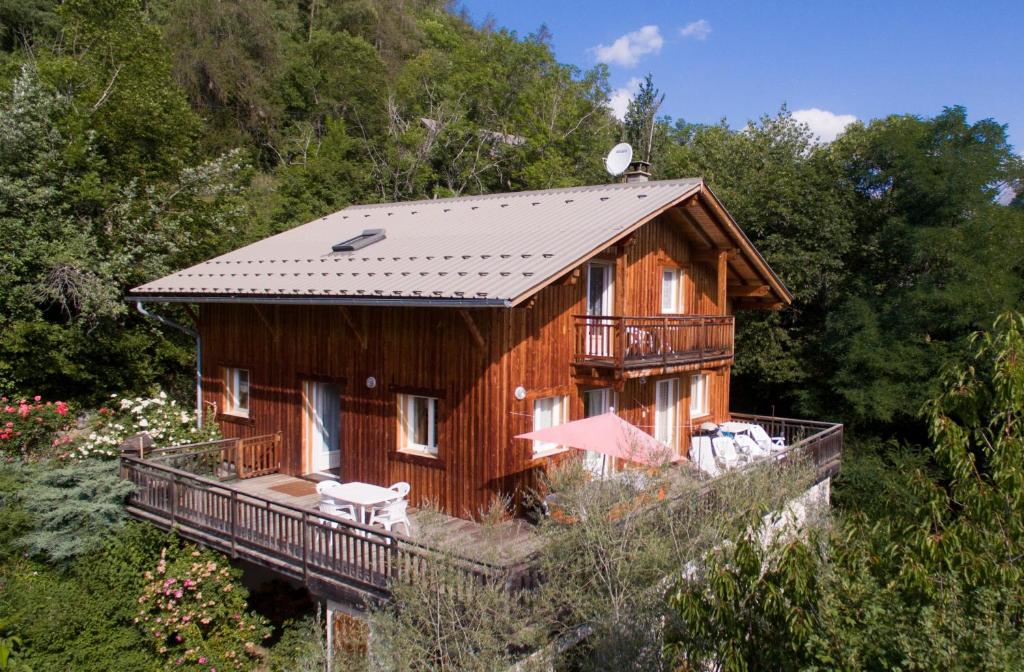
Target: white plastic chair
329, 504
702, 455
725, 450
767, 443
402, 488
391, 514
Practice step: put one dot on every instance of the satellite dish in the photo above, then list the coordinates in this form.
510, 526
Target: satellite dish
619, 158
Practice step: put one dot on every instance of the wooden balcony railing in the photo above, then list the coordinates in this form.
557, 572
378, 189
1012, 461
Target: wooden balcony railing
640, 342
820, 442
330, 555
225, 459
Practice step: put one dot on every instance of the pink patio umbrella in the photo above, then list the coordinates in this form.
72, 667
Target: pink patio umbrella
609, 435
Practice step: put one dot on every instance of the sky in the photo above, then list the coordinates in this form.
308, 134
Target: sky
829, 62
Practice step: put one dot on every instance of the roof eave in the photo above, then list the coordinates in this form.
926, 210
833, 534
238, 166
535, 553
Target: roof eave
306, 300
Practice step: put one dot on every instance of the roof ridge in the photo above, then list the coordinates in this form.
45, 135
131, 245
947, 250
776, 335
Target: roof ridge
523, 194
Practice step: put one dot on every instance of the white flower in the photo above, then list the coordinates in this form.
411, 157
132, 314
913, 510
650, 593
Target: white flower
143, 422
163, 395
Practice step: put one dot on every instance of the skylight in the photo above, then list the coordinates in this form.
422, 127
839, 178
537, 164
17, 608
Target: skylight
367, 237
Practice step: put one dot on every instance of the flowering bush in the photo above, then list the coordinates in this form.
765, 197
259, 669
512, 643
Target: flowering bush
29, 426
193, 611
163, 419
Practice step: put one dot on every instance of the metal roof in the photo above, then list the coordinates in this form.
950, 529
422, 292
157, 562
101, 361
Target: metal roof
493, 249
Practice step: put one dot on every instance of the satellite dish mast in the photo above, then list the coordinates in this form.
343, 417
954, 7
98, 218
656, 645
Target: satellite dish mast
619, 159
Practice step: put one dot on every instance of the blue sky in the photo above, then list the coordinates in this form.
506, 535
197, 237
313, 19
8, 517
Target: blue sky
828, 61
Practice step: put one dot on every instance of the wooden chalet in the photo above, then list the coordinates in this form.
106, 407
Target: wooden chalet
412, 341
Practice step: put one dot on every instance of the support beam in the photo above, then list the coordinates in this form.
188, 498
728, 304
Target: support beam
749, 290
360, 336
712, 256
723, 273
473, 329
571, 277
755, 304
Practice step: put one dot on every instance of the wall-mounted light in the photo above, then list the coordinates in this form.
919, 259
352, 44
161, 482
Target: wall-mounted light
371, 383
520, 393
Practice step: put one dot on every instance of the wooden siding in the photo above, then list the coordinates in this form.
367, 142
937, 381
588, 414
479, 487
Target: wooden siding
435, 351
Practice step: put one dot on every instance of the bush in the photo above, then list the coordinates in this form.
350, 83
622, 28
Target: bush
29, 427
193, 612
169, 423
72, 508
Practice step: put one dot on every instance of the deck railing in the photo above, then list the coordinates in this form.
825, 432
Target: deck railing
324, 551
225, 459
821, 442
625, 342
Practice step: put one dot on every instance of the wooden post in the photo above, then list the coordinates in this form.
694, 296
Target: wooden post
174, 498
305, 559
234, 522
723, 271
664, 340
621, 354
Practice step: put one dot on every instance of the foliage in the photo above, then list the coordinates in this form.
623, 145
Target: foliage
168, 423
30, 426
640, 126
72, 508
193, 612
932, 583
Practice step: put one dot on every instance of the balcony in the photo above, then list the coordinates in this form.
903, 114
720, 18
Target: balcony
638, 346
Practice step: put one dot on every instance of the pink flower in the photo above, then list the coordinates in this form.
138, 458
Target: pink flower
37, 398
24, 409
202, 660
62, 408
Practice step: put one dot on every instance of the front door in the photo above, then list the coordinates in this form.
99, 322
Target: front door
596, 402
600, 289
321, 434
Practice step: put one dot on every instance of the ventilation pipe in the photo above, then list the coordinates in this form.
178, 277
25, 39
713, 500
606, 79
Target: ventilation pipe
199, 355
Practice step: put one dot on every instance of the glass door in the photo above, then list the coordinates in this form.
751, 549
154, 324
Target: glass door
596, 402
322, 404
600, 290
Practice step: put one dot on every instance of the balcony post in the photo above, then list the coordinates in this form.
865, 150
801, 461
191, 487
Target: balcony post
620, 355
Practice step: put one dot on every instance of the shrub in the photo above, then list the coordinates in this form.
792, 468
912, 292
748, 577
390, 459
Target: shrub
193, 612
71, 508
169, 423
29, 426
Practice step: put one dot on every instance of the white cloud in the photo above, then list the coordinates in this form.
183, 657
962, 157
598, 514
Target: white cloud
698, 30
619, 99
824, 124
628, 49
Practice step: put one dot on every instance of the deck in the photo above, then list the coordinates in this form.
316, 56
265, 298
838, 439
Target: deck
271, 519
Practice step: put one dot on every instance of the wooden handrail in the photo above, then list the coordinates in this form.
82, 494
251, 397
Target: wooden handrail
620, 341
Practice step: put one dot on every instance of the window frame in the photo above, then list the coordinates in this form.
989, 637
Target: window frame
672, 384
232, 381
558, 417
678, 303
699, 406
407, 420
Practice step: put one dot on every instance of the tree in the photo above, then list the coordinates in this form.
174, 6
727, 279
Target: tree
641, 127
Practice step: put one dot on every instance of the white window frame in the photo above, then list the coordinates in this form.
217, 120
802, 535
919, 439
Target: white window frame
408, 420
677, 304
699, 395
558, 411
233, 381
666, 423
607, 396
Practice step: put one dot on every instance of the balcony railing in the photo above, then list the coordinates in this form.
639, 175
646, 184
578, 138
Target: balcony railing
641, 342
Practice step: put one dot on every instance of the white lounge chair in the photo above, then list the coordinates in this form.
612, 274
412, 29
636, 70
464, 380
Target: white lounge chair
703, 456
748, 446
391, 514
768, 443
725, 451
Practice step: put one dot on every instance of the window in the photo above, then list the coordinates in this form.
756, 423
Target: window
698, 395
547, 412
367, 237
666, 401
418, 423
671, 290
236, 392
598, 402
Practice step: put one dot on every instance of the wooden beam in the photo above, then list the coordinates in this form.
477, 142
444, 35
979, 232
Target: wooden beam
687, 220
473, 329
723, 279
347, 316
756, 304
571, 277
749, 290
712, 256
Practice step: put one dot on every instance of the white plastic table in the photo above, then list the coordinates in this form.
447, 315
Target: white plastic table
363, 496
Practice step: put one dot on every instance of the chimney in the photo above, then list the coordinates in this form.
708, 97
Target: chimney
638, 171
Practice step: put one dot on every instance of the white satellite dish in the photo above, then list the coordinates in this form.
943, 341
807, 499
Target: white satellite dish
619, 158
